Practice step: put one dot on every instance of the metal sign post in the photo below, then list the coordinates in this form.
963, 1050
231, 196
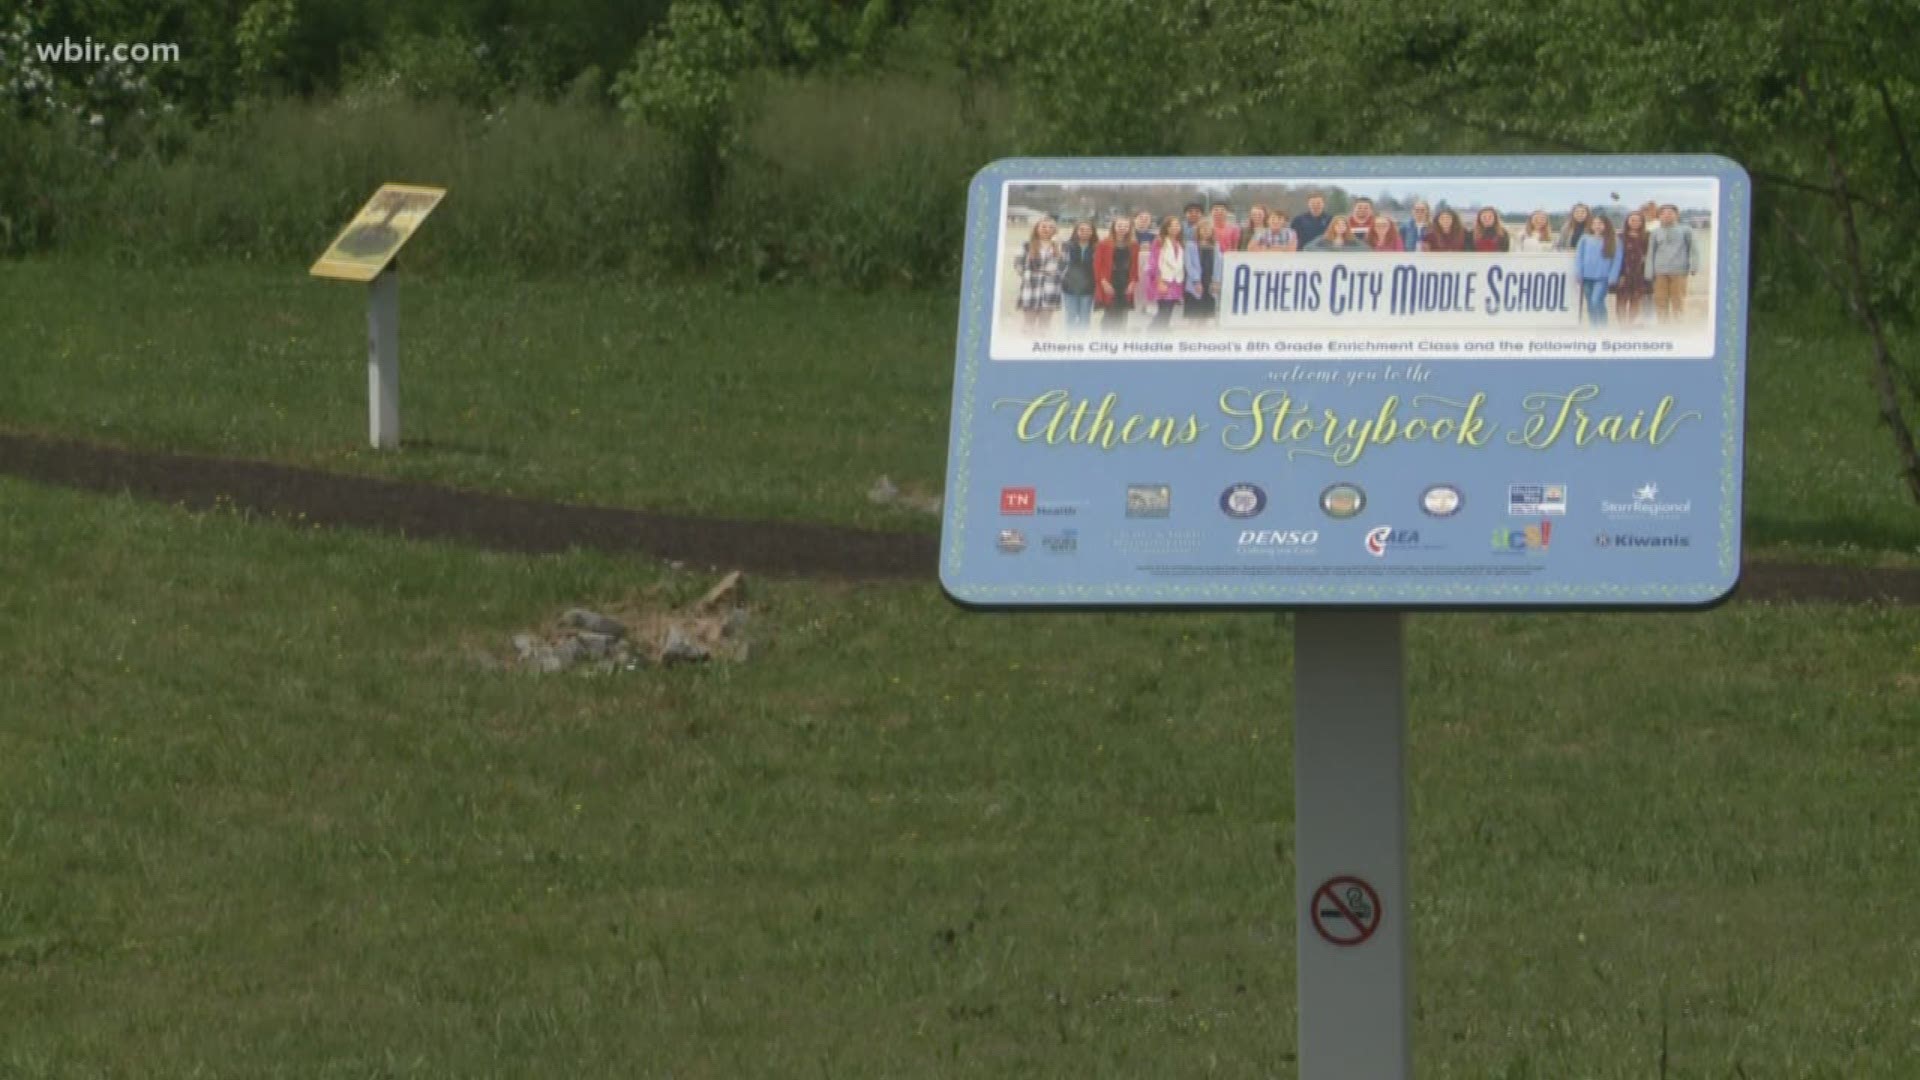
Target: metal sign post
1350, 845
383, 360
1306, 389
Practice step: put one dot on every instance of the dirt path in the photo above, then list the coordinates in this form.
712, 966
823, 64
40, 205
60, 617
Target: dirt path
510, 523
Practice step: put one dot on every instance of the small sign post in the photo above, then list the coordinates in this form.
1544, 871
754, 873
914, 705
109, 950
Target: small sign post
1352, 389
366, 251
383, 360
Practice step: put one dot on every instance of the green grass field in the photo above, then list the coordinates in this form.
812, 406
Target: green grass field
784, 402
260, 816
261, 813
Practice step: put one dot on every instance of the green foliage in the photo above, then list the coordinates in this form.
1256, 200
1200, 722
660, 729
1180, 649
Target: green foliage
1768, 87
851, 181
687, 81
261, 38
1100, 77
1091, 79
542, 187
447, 65
1818, 101
49, 174
1765, 86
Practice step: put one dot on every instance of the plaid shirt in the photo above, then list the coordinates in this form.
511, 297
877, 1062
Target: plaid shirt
1040, 277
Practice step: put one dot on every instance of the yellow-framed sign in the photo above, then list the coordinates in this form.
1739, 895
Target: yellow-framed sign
374, 236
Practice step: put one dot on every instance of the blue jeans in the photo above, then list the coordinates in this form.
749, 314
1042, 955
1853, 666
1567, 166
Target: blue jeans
1596, 290
1079, 309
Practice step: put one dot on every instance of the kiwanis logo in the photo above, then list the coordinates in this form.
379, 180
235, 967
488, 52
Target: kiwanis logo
1639, 540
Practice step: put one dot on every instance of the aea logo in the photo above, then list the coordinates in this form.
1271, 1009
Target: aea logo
1382, 537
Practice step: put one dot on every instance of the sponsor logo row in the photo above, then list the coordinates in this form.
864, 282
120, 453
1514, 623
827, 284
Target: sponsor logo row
1379, 541
1344, 501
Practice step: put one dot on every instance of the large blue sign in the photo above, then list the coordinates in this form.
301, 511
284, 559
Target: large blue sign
1401, 382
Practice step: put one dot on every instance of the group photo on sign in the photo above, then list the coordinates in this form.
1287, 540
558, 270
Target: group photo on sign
1431, 267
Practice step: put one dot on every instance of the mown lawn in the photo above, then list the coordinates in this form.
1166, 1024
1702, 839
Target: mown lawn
262, 815
782, 402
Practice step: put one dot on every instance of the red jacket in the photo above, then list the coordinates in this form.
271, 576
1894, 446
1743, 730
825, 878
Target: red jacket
1103, 274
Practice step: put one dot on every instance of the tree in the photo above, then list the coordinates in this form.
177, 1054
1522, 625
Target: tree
1816, 100
688, 80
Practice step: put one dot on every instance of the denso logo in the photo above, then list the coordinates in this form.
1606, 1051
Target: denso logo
1278, 538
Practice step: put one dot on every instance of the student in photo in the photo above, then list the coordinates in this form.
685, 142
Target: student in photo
1577, 221
1413, 231
1338, 237
1671, 257
1204, 267
1039, 265
1384, 235
1277, 235
1650, 213
1143, 230
1489, 236
1144, 234
1256, 224
1167, 271
1076, 274
1539, 235
1360, 217
1597, 258
1447, 233
1114, 268
1194, 213
1226, 235
1630, 295
1312, 223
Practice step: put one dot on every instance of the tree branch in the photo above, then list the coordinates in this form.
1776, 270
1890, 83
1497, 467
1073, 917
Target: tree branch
1759, 175
1833, 279
1899, 131
1884, 366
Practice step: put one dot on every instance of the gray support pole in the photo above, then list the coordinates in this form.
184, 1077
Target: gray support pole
1350, 846
383, 360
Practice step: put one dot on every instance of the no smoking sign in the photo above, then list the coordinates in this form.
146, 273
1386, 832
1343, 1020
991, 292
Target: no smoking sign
1346, 911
